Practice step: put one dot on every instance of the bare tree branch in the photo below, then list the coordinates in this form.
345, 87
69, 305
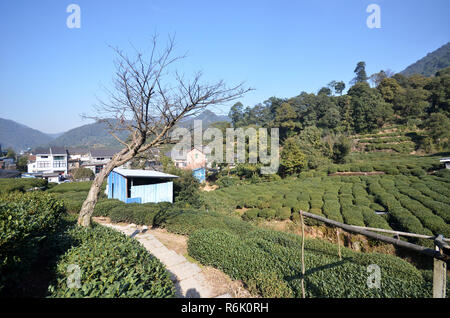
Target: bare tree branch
147, 101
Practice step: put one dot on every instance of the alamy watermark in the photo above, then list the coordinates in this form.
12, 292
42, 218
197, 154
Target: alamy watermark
374, 19
258, 149
74, 276
374, 279
74, 19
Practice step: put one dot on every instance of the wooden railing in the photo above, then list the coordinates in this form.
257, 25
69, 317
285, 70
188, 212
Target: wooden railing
439, 253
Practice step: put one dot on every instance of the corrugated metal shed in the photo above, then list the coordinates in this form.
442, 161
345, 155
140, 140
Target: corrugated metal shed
143, 173
140, 186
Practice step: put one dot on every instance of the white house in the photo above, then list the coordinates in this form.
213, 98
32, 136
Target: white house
50, 161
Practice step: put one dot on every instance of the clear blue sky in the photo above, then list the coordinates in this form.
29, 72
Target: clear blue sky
50, 74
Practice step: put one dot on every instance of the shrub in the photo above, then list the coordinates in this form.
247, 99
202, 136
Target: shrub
283, 213
83, 174
74, 187
111, 265
135, 213
417, 172
267, 214
21, 185
25, 221
186, 222
392, 171
104, 207
250, 215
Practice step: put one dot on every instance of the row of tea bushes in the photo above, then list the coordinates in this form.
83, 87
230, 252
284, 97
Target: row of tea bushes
26, 220
21, 185
349, 199
269, 263
110, 265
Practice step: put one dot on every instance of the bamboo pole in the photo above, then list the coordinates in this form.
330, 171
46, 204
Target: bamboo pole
398, 233
303, 254
387, 239
339, 244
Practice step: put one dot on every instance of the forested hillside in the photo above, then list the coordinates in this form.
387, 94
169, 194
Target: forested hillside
396, 113
431, 63
20, 137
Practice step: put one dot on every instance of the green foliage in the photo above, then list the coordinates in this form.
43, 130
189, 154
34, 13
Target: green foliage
292, 158
21, 185
275, 256
105, 206
83, 173
137, 213
25, 221
349, 199
111, 265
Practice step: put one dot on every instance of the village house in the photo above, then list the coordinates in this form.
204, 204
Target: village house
50, 160
195, 158
98, 158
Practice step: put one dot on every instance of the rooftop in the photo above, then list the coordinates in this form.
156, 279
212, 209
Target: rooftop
103, 152
143, 173
445, 160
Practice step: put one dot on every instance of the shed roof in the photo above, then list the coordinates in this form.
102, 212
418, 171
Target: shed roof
143, 173
445, 160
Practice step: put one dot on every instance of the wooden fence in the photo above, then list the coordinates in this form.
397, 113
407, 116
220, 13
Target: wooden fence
439, 253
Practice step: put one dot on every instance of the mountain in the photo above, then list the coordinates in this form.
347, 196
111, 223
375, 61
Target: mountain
207, 117
431, 63
20, 137
55, 135
96, 135
93, 135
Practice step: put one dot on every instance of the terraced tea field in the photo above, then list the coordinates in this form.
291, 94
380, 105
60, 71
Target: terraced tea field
418, 204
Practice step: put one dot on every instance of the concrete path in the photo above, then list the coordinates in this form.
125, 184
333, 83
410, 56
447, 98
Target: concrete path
187, 276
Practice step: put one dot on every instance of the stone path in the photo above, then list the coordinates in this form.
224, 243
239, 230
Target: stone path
187, 276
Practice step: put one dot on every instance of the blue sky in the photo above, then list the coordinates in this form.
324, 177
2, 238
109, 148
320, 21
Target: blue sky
50, 74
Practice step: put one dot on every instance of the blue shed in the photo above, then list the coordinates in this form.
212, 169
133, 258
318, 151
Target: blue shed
200, 174
140, 186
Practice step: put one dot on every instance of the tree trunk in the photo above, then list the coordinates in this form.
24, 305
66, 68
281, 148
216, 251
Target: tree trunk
84, 218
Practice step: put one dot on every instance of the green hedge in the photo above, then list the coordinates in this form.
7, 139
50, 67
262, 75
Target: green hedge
111, 265
25, 221
21, 185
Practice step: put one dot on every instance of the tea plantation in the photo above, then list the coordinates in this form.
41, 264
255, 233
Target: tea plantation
268, 262
413, 204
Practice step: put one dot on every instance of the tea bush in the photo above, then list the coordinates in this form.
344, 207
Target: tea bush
111, 265
21, 185
258, 254
25, 221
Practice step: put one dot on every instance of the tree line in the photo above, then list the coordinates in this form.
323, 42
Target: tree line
318, 125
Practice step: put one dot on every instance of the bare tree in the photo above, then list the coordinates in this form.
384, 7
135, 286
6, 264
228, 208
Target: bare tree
147, 101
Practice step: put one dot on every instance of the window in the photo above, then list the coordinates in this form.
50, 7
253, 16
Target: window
59, 158
59, 164
44, 157
43, 164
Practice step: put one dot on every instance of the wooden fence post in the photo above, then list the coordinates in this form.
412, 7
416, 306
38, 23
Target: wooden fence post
339, 244
303, 254
439, 270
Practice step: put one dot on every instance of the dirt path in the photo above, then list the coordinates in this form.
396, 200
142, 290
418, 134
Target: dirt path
192, 280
